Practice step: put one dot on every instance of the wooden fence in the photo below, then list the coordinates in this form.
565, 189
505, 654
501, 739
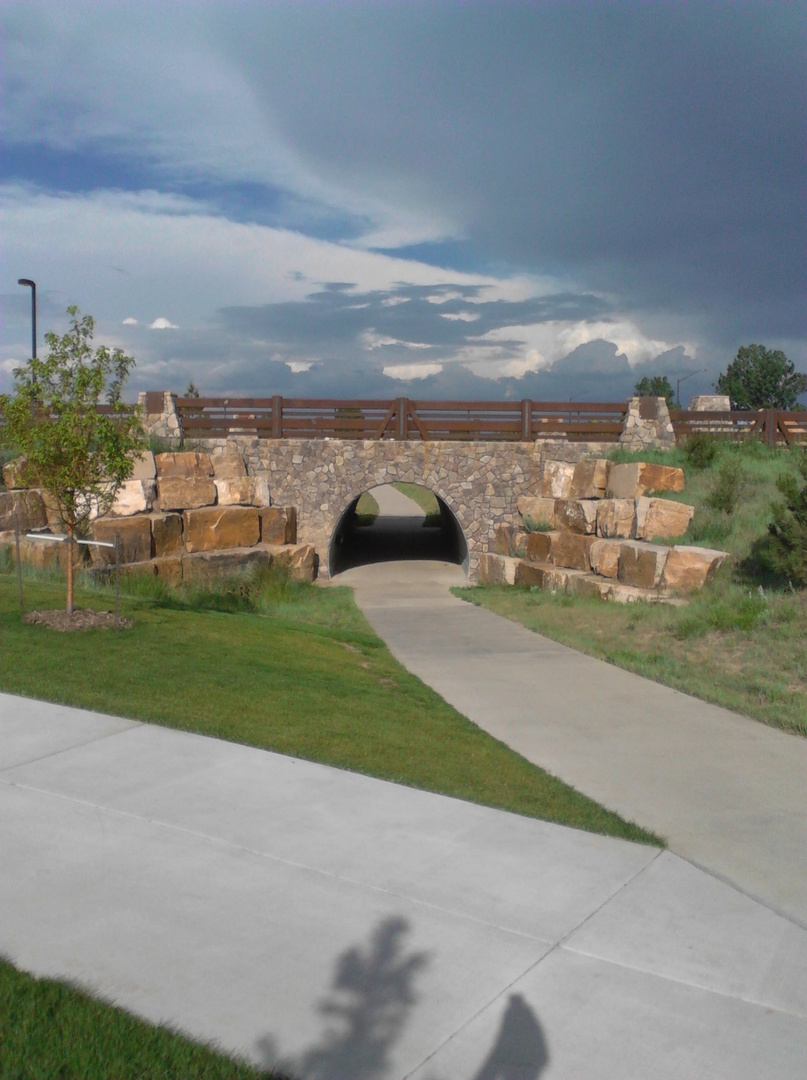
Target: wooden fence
401, 418
769, 425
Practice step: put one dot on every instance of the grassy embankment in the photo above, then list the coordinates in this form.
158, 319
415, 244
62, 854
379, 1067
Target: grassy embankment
741, 643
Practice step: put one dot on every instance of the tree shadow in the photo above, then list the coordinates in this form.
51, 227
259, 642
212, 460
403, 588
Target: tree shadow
366, 1010
520, 1051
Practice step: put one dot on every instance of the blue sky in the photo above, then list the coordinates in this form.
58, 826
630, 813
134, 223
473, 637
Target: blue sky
440, 199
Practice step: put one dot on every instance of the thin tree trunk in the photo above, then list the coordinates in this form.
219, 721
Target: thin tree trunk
70, 569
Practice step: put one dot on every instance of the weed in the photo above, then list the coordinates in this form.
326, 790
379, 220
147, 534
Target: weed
701, 449
727, 487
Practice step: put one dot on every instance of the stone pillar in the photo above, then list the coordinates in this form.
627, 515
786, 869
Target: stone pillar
710, 403
647, 425
160, 416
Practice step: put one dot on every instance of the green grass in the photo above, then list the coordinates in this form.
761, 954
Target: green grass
740, 643
300, 673
367, 509
51, 1029
424, 497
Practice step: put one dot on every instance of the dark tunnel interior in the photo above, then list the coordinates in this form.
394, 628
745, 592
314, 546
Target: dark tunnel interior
356, 542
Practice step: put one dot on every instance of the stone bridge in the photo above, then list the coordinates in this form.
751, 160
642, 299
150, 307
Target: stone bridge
477, 484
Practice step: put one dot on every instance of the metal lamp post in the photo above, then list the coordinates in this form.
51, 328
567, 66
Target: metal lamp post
32, 286
684, 379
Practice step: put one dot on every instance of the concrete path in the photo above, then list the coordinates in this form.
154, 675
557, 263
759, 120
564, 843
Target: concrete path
354, 929
393, 503
729, 794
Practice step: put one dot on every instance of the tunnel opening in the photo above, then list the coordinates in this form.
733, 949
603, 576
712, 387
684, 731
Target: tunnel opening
395, 522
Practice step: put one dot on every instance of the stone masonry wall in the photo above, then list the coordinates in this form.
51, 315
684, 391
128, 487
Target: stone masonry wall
481, 483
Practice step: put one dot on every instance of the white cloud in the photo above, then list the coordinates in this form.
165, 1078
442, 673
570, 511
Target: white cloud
296, 366
405, 372
129, 322
162, 324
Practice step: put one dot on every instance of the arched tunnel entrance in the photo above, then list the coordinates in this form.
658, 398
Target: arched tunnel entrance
391, 522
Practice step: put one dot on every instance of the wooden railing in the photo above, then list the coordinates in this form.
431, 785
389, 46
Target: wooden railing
400, 418
769, 425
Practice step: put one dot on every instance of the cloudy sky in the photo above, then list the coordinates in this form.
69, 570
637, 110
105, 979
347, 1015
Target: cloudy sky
546, 199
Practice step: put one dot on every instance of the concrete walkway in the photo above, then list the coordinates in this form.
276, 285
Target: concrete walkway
353, 929
727, 793
393, 503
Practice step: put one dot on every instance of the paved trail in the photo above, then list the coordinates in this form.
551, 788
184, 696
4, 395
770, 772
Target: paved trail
728, 793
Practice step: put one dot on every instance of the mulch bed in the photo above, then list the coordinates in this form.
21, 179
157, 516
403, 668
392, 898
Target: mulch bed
80, 619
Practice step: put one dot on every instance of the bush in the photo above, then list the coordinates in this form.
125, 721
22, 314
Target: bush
785, 549
727, 487
701, 449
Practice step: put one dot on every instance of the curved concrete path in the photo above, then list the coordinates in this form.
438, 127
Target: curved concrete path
726, 792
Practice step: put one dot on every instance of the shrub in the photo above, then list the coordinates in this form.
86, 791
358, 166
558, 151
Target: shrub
727, 487
786, 549
701, 449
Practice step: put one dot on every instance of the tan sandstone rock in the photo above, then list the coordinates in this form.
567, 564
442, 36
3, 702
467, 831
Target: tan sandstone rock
14, 473
537, 511
135, 539
539, 546
590, 479
166, 535
134, 497
301, 559
557, 480
228, 466
641, 564
234, 492
571, 550
690, 568
187, 464
49, 555
22, 509
185, 493
637, 477
144, 467
657, 519
531, 573
216, 528
207, 567
279, 524
616, 518
169, 569
496, 569
576, 515
502, 543
604, 557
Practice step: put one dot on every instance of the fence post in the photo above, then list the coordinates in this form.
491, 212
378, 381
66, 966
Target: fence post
771, 427
277, 417
402, 427
526, 420
19, 563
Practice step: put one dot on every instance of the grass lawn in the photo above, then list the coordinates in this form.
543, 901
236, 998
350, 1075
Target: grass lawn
301, 673
741, 643
423, 496
49, 1029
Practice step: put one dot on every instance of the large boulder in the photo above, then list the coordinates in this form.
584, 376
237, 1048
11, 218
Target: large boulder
279, 525
616, 518
216, 528
638, 477
229, 466
657, 519
50, 554
134, 497
166, 535
207, 567
236, 491
571, 550
24, 510
135, 539
144, 467
557, 480
502, 543
539, 546
576, 515
604, 557
641, 564
300, 560
532, 574
590, 479
690, 568
185, 493
188, 464
496, 569
14, 473
537, 512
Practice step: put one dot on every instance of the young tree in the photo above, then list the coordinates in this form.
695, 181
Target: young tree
760, 378
79, 455
657, 386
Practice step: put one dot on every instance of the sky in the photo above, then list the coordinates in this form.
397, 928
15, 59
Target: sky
545, 198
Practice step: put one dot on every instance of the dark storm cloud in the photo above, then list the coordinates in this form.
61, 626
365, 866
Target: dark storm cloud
654, 151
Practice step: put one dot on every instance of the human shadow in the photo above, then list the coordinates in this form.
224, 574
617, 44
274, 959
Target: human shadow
520, 1051
367, 1007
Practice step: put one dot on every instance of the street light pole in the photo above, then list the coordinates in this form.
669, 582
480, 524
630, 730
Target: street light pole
684, 379
32, 286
